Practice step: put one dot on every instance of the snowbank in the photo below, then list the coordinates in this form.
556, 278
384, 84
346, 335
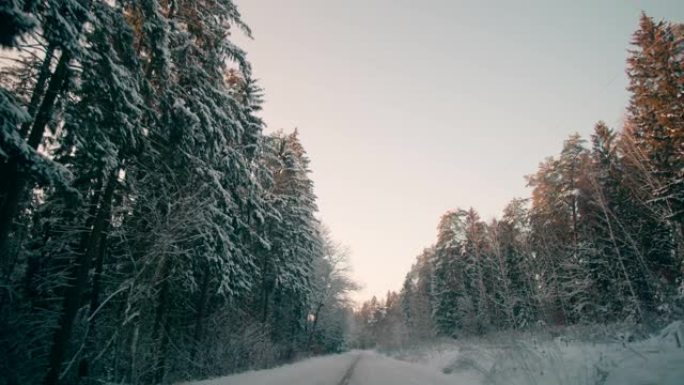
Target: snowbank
570, 359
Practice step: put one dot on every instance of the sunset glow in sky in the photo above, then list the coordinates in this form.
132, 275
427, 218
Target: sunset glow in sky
410, 108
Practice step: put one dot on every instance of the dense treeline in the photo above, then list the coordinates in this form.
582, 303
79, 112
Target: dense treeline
601, 239
149, 230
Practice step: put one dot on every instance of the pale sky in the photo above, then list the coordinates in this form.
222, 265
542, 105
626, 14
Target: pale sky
410, 108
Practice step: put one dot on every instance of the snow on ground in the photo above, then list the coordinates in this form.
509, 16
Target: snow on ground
327, 370
374, 368
579, 357
353, 368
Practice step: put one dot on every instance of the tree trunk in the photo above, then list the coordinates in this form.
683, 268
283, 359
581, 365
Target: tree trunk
97, 277
266, 290
36, 262
159, 333
77, 278
95, 299
39, 89
12, 194
201, 309
313, 326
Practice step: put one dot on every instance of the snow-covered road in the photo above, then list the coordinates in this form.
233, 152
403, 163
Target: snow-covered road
373, 368
353, 368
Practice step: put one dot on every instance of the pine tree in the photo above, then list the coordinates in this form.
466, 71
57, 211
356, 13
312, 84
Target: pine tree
558, 199
295, 241
656, 73
416, 297
452, 306
61, 23
513, 238
613, 265
146, 207
16, 20
655, 69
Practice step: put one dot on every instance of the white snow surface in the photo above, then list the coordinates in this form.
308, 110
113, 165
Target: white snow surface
374, 368
327, 370
370, 368
579, 357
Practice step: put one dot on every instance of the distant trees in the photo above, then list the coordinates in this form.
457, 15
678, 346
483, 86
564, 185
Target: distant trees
416, 297
600, 240
149, 230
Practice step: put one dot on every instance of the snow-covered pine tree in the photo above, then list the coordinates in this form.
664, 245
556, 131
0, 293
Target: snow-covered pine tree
618, 273
15, 21
477, 272
60, 25
295, 241
204, 144
513, 239
502, 295
646, 229
655, 69
452, 307
559, 193
99, 128
102, 132
416, 298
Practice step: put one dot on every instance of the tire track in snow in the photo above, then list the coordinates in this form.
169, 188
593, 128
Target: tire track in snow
347, 376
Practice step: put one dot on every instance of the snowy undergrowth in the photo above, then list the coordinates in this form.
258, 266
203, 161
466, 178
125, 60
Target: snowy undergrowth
575, 356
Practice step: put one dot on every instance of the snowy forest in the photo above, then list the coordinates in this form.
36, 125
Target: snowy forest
152, 232
149, 231
600, 241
